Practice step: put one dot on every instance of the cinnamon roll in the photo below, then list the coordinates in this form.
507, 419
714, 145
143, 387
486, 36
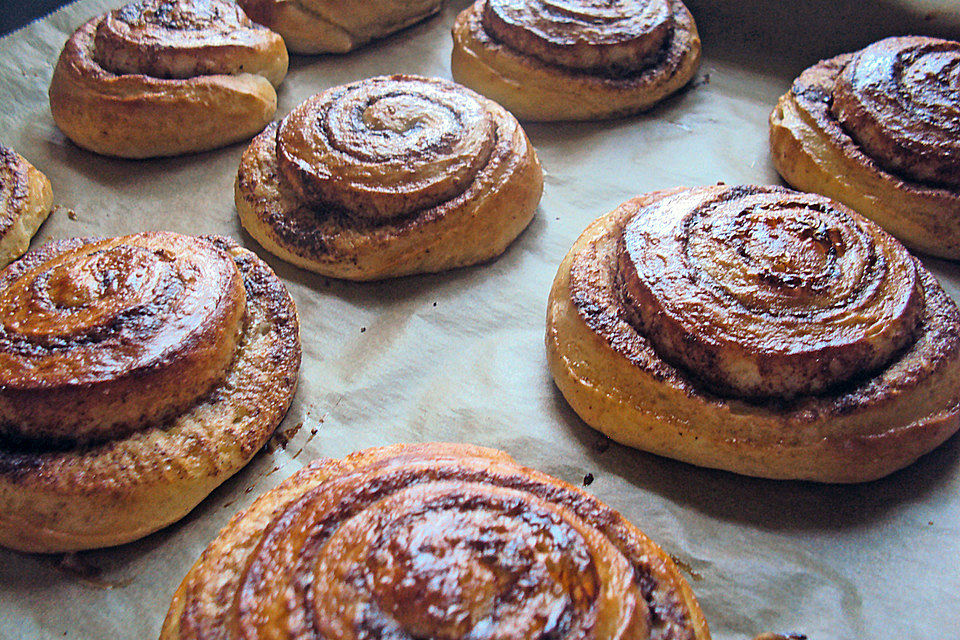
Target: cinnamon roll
337, 26
877, 130
25, 202
387, 177
755, 329
575, 59
167, 77
431, 541
136, 375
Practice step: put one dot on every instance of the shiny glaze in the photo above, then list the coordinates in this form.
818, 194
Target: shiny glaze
14, 184
766, 292
602, 35
900, 100
431, 541
88, 327
178, 39
386, 147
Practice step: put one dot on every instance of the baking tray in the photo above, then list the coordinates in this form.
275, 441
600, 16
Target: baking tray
459, 356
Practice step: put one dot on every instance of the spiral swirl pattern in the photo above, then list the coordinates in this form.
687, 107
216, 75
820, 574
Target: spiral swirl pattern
179, 39
431, 541
386, 147
101, 338
597, 35
900, 100
765, 292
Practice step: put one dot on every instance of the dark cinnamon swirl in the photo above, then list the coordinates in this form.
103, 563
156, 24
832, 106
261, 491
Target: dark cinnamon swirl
877, 130
25, 202
167, 77
337, 26
575, 59
431, 541
387, 177
759, 330
136, 375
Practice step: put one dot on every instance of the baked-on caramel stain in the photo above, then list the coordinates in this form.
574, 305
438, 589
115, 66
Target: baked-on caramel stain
900, 100
433, 541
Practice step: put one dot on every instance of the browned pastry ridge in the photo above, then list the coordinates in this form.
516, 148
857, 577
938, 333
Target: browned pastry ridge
431, 541
167, 77
877, 130
25, 202
387, 177
337, 26
136, 375
575, 59
755, 329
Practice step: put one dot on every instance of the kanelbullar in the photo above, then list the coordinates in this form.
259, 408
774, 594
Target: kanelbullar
387, 177
26, 198
337, 26
167, 77
136, 375
431, 541
756, 329
575, 59
877, 130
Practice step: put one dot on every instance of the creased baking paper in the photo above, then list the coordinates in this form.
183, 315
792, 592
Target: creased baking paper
460, 356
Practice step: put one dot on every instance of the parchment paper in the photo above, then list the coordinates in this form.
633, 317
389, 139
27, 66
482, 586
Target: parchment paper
460, 356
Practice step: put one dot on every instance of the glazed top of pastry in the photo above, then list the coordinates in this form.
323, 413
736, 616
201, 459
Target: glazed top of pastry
593, 35
142, 326
899, 99
433, 541
177, 38
767, 292
13, 182
386, 147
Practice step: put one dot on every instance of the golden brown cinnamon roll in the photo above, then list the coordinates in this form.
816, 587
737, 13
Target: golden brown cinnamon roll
877, 130
167, 77
387, 177
25, 202
575, 59
431, 541
337, 26
136, 375
756, 329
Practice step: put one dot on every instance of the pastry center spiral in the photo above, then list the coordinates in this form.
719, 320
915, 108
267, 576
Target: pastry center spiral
386, 147
765, 292
899, 99
445, 558
150, 321
450, 567
174, 38
596, 35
